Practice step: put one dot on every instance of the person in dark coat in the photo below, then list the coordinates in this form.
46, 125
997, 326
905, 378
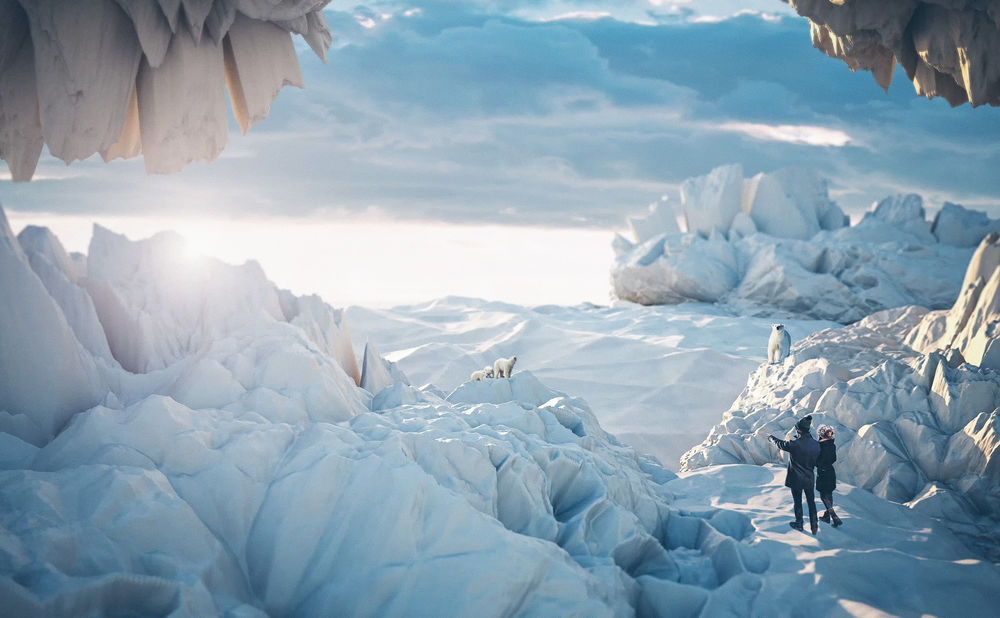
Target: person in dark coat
803, 452
826, 476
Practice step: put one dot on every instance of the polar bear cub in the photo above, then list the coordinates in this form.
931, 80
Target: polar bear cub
778, 344
479, 376
503, 367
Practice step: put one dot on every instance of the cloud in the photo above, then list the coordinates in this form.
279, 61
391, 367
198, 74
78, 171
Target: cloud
484, 112
789, 133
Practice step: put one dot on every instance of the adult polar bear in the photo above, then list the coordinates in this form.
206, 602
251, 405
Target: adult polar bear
778, 344
503, 367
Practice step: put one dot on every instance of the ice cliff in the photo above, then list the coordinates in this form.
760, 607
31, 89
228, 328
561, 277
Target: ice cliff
948, 48
130, 77
776, 242
914, 397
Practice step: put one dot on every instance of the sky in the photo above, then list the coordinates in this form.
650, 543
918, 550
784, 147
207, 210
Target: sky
525, 115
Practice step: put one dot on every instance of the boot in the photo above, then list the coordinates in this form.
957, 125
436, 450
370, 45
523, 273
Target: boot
825, 516
796, 524
837, 521
814, 527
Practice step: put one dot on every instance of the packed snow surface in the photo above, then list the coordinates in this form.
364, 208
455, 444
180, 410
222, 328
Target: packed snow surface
218, 455
130, 77
948, 48
777, 244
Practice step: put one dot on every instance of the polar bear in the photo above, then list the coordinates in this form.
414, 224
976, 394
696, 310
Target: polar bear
778, 344
503, 367
479, 376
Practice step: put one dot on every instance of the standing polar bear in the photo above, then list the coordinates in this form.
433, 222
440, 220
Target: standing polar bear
778, 344
503, 367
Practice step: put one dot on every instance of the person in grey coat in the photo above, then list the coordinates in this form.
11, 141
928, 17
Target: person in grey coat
803, 452
826, 476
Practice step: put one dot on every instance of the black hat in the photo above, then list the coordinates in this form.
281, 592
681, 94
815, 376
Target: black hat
804, 423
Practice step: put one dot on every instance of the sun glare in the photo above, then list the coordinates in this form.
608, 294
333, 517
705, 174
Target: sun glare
381, 263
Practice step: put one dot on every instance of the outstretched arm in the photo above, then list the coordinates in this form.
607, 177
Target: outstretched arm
782, 444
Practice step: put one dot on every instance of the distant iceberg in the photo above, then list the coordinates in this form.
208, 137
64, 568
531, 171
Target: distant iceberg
777, 243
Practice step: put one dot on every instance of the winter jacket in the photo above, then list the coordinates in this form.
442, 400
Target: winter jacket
803, 452
826, 476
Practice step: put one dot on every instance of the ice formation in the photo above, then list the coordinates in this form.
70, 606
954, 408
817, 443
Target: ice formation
124, 77
776, 242
914, 397
948, 48
233, 466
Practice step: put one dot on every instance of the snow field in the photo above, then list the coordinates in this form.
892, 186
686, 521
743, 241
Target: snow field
242, 471
656, 377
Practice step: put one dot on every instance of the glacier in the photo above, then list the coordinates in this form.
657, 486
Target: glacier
947, 48
129, 77
180, 436
775, 244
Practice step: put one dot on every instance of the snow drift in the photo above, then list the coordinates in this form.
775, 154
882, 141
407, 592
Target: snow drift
914, 397
124, 77
948, 48
777, 243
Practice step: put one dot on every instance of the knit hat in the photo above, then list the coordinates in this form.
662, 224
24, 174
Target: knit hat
804, 423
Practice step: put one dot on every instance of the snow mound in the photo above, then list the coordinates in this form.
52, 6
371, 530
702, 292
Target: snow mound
948, 49
143, 76
780, 245
915, 427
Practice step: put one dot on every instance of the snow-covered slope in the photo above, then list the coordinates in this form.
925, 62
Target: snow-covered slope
915, 427
234, 467
948, 48
124, 77
658, 378
776, 243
